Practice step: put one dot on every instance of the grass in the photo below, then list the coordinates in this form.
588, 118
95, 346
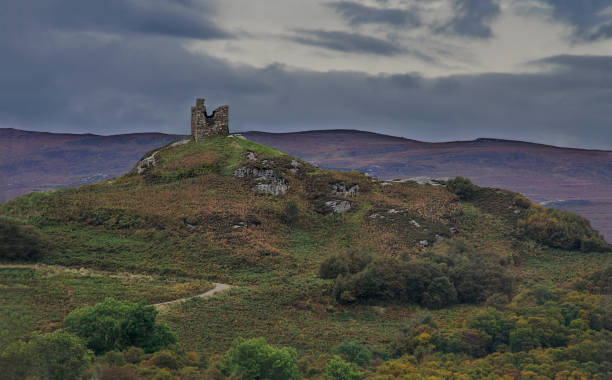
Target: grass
38, 297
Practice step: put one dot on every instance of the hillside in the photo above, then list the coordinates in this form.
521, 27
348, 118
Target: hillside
35, 161
576, 180
571, 179
314, 258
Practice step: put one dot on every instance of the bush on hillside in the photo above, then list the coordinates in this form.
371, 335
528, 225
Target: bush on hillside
439, 293
338, 369
462, 187
19, 242
354, 352
255, 359
115, 325
433, 282
478, 278
519, 200
58, 355
343, 264
292, 213
561, 229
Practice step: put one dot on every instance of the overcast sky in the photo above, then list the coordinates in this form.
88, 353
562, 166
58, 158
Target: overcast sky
434, 70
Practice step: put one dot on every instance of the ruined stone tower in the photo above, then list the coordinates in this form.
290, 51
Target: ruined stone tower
203, 126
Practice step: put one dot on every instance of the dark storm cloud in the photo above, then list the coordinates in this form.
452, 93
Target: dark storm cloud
180, 18
591, 63
82, 82
357, 14
471, 18
585, 16
347, 42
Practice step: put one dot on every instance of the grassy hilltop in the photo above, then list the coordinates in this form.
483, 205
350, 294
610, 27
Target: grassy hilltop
315, 258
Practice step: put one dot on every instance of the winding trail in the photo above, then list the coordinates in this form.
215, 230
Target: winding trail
217, 289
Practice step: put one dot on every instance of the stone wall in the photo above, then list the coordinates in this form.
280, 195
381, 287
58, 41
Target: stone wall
203, 126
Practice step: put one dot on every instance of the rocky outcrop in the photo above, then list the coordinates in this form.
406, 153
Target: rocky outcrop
267, 181
344, 189
339, 206
180, 142
295, 166
146, 163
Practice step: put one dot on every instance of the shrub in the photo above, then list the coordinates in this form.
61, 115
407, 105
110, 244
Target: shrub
434, 281
345, 263
519, 200
417, 275
134, 355
19, 242
462, 187
114, 358
291, 213
114, 325
162, 374
498, 300
354, 352
190, 373
440, 293
477, 277
255, 359
57, 355
118, 373
493, 324
561, 229
474, 343
164, 359
542, 294
366, 284
338, 369
333, 267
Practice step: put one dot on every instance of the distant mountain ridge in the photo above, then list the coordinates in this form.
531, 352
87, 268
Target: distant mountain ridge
34, 161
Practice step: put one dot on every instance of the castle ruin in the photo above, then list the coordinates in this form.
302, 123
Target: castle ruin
203, 126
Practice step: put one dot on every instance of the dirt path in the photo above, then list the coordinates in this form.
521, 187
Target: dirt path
55, 269
217, 289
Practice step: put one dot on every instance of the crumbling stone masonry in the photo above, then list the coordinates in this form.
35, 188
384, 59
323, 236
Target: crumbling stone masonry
203, 126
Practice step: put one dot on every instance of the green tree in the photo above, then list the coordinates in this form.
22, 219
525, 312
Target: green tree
495, 325
255, 359
440, 293
338, 369
55, 356
114, 325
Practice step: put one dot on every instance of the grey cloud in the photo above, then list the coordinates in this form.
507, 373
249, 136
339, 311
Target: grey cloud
181, 18
357, 14
585, 16
593, 63
603, 31
140, 82
471, 18
347, 42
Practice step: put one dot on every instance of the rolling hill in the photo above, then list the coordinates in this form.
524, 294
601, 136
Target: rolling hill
577, 180
571, 179
442, 281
